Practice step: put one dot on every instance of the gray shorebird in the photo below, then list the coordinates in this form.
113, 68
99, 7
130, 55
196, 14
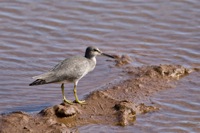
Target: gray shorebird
70, 70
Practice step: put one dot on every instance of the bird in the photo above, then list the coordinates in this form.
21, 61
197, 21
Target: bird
71, 70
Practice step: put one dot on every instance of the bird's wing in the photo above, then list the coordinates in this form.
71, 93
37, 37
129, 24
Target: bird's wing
44, 76
71, 68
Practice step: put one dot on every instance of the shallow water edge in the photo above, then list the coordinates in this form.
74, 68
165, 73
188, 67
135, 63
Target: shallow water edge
118, 104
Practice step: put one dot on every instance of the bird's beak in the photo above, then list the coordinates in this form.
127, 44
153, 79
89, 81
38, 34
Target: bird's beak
107, 55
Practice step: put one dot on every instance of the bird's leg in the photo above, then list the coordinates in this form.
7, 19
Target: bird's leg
63, 94
76, 96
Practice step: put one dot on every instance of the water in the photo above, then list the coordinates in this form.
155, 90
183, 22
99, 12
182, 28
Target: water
36, 35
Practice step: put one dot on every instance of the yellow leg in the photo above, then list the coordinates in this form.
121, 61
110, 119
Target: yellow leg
63, 94
76, 96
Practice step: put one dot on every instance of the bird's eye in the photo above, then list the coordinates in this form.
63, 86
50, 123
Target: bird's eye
95, 50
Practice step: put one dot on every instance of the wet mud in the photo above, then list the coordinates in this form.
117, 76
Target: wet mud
117, 104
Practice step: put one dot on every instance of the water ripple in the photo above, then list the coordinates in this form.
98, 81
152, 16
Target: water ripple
35, 35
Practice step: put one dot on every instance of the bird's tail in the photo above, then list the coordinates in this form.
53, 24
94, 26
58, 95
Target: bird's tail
38, 82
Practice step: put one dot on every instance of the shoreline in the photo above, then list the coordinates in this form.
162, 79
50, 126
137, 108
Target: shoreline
118, 104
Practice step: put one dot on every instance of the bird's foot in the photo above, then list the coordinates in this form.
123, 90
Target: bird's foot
67, 101
80, 102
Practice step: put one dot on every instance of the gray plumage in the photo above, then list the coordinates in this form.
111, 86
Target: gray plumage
70, 70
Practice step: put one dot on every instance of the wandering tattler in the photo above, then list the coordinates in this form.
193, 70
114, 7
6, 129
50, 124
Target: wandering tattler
71, 70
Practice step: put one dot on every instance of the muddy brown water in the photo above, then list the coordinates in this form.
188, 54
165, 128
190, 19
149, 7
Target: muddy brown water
35, 35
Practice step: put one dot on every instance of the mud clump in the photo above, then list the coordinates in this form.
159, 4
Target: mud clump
117, 104
172, 71
143, 109
20, 122
125, 113
62, 110
122, 60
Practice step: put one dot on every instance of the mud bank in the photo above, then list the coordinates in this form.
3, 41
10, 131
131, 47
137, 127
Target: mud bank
118, 104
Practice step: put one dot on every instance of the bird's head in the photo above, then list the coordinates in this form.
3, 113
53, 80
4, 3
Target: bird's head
94, 51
